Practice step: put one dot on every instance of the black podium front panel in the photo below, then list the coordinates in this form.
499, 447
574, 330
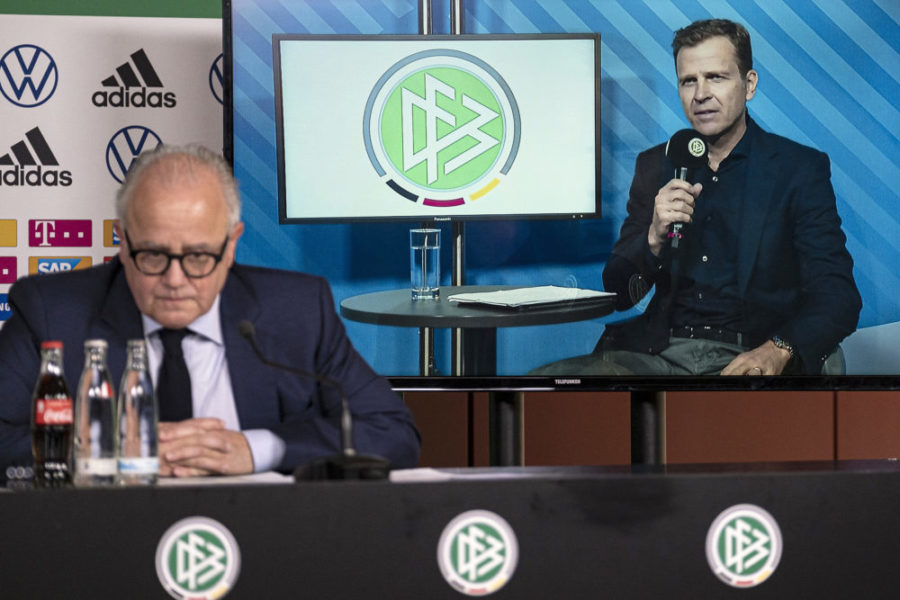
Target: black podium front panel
579, 533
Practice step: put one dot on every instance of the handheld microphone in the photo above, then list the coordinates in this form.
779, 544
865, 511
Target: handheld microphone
346, 465
687, 149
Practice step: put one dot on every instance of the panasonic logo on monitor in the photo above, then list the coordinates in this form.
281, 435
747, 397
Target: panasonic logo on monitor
31, 162
135, 84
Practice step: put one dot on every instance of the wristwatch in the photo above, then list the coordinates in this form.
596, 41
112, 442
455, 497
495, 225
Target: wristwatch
781, 343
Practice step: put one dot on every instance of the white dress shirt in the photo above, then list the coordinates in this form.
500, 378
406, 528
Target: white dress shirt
211, 392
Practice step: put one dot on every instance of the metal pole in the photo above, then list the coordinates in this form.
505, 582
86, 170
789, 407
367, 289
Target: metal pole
426, 337
456, 17
458, 268
425, 21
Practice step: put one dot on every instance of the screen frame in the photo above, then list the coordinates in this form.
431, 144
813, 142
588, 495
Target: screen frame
522, 383
440, 215
635, 383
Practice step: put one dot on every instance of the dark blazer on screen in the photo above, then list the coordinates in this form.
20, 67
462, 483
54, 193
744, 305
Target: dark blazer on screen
794, 277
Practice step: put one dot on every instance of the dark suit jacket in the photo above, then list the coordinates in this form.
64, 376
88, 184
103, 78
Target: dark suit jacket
296, 324
795, 276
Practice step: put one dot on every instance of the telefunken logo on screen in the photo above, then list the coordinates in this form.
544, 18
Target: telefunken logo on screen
135, 84
28, 75
125, 146
442, 127
31, 162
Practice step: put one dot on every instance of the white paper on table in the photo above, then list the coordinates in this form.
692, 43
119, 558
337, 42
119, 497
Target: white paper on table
529, 296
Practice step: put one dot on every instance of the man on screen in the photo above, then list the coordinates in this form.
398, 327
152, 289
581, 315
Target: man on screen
179, 222
761, 283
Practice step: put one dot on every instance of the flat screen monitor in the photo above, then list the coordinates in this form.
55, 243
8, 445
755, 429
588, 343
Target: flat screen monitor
317, 94
437, 128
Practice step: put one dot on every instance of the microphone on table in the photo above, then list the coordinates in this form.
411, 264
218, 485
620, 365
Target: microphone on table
346, 465
687, 149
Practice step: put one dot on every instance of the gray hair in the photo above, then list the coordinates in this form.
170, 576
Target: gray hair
189, 158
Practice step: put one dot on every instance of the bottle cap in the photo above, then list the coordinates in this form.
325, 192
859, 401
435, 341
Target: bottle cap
95, 344
51, 344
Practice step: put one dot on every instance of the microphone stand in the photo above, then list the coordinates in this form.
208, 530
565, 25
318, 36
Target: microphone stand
345, 465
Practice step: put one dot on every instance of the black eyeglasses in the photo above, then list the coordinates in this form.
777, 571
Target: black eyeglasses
193, 264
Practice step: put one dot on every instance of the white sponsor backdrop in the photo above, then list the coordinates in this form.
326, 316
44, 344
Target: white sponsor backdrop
78, 54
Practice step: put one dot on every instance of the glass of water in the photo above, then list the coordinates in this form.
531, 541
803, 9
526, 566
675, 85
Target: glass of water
424, 263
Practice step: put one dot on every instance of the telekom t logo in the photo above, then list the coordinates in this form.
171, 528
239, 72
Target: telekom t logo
49, 233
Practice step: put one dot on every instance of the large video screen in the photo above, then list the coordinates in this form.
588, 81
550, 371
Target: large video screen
826, 80
437, 127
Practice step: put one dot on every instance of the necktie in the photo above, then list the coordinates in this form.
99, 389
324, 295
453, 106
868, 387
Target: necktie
173, 385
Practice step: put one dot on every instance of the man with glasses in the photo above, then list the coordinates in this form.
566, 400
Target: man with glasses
222, 411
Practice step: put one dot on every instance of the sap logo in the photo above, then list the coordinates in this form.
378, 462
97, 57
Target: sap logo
215, 78
29, 160
28, 75
57, 264
48, 233
125, 146
135, 86
5, 310
54, 265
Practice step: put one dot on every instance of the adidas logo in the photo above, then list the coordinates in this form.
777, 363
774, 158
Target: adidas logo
134, 82
29, 159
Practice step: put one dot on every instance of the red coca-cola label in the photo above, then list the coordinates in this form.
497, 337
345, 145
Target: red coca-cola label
53, 411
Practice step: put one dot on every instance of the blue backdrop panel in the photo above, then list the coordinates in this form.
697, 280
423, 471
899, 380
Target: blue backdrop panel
829, 74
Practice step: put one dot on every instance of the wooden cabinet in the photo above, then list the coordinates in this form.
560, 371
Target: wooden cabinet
593, 428
868, 425
749, 426
576, 428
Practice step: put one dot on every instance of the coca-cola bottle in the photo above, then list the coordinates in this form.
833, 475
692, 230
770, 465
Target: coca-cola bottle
96, 431
138, 457
51, 420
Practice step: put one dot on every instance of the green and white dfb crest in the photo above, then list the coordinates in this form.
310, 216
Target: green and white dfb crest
441, 127
197, 558
478, 552
743, 545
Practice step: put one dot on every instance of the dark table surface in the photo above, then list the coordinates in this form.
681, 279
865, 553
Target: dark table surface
397, 308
